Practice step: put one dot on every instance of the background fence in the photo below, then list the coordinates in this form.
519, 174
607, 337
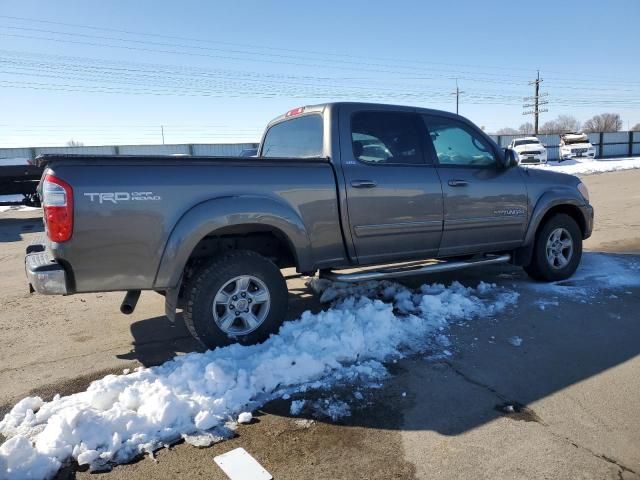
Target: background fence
608, 144
197, 149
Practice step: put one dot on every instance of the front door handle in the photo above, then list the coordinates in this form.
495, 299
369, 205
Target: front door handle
458, 183
363, 184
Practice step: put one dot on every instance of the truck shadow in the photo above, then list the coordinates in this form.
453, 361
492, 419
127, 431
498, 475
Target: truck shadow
156, 340
12, 229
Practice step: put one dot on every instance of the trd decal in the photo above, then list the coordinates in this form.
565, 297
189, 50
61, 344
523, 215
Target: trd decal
117, 197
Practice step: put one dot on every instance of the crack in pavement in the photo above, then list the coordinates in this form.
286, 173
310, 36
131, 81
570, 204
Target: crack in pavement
504, 398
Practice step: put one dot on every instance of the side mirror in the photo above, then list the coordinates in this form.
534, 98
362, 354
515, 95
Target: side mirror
510, 158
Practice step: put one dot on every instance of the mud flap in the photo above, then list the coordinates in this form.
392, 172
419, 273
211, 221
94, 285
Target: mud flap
171, 303
522, 256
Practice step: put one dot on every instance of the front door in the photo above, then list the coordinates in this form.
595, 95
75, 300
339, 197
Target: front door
485, 205
394, 195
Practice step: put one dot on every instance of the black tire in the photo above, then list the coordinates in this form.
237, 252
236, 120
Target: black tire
540, 267
206, 284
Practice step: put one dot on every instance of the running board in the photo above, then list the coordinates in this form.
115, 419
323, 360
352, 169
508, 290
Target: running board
404, 271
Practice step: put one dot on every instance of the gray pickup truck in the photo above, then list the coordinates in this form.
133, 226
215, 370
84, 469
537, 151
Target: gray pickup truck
343, 189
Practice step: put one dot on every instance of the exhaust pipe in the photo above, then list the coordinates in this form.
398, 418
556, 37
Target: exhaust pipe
130, 301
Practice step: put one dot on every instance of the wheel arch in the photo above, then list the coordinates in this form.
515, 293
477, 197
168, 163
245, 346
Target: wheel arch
552, 203
233, 217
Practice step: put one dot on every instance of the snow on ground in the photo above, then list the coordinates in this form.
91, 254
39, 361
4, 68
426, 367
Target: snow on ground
597, 272
13, 199
4, 161
588, 166
196, 396
17, 208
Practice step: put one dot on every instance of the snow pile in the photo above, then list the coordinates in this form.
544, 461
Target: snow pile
588, 166
515, 341
332, 407
195, 396
245, 417
297, 406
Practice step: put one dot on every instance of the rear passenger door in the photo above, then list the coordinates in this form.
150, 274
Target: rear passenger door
485, 205
394, 197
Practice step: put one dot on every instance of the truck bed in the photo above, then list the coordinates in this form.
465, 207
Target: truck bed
127, 207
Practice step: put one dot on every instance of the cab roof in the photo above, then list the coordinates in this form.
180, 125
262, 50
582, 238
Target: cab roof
325, 107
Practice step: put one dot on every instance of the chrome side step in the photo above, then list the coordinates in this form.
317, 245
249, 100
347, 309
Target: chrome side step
412, 270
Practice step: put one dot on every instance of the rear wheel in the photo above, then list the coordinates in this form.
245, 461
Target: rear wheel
239, 296
557, 250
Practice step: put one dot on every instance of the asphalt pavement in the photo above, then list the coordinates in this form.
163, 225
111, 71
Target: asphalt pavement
563, 404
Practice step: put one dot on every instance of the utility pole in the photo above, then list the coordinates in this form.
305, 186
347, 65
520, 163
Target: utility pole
457, 94
536, 102
162, 131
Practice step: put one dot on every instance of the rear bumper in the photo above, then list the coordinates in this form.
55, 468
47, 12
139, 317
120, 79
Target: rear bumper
44, 274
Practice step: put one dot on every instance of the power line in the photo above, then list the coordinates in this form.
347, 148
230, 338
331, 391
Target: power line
412, 61
253, 56
212, 81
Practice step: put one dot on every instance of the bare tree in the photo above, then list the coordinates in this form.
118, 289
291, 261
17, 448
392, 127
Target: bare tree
549, 127
526, 128
507, 131
636, 128
567, 123
74, 143
562, 124
605, 122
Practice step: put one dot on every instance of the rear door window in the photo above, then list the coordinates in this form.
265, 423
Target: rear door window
383, 138
299, 138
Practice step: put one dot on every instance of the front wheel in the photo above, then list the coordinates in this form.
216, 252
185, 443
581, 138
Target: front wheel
239, 296
557, 250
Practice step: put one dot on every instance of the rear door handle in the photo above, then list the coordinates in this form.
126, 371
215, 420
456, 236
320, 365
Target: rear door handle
458, 183
363, 184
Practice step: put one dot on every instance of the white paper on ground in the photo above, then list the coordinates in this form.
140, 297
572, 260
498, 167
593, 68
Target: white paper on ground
239, 465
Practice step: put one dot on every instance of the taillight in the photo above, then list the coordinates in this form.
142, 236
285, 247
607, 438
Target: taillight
57, 203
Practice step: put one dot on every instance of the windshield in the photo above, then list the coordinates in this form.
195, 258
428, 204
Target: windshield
517, 143
573, 141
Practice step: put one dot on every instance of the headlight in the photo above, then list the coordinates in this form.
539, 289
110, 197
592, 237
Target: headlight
584, 191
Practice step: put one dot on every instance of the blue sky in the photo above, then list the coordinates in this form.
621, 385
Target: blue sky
109, 72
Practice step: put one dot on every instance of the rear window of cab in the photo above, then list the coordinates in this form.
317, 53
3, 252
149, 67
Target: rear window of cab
299, 137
